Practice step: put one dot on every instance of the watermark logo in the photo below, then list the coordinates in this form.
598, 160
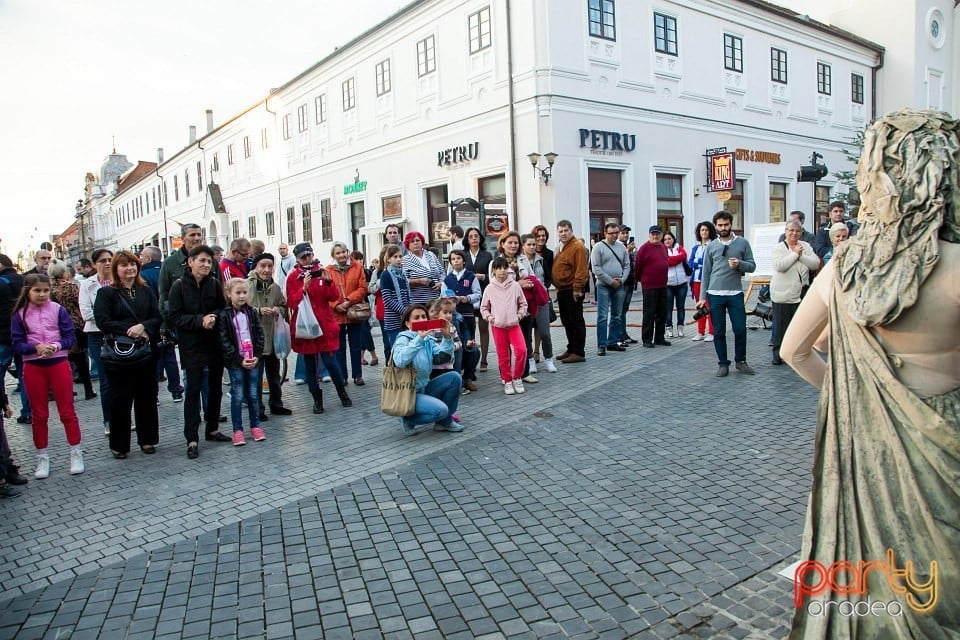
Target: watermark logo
845, 578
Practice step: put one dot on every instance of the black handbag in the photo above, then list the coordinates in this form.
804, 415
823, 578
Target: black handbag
123, 352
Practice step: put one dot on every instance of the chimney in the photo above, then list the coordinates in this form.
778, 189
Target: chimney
193, 134
209, 120
159, 155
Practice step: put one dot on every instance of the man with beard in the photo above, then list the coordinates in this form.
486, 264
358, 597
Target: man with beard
727, 259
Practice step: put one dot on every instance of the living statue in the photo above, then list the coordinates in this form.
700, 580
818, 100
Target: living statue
881, 545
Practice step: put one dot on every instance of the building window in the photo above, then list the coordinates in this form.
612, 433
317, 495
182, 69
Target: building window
670, 204
153, 192
734, 206
320, 106
426, 56
778, 202
778, 65
291, 225
229, 154
302, 118
176, 189
286, 127
235, 228
732, 53
856, 88
821, 204
199, 179
264, 138
252, 227
383, 77
247, 150
166, 200
392, 207
326, 222
216, 162
479, 30
665, 33
824, 82
349, 97
602, 19
307, 222
186, 183
270, 224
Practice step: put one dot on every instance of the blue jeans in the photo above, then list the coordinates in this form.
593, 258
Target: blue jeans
6, 359
438, 401
244, 387
627, 299
314, 370
300, 371
676, 297
94, 346
609, 303
389, 337
355, 333
720, 306
167, 362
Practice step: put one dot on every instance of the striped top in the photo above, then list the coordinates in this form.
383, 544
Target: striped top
425, 266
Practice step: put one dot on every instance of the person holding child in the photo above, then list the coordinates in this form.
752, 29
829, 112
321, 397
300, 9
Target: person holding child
42, 333
503, 306
242, 343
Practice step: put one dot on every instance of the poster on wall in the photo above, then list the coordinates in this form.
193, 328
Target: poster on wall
496, 221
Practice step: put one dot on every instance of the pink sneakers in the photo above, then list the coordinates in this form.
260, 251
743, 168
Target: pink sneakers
238, 439
258, 434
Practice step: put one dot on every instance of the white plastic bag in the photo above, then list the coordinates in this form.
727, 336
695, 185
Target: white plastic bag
281, 338
307, 327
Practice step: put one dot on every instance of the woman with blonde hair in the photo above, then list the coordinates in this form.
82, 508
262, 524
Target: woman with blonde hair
887, 448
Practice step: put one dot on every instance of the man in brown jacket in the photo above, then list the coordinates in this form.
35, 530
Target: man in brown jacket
570, 278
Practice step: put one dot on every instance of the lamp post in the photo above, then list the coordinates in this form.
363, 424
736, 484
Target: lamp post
81, 211
544, 173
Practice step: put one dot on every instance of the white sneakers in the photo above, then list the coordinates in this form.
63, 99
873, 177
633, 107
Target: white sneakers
698, 337
533, 365
518, 386
43, 464
531, 380
669, 330
508, 388
708, 338
549, 366
43, 467
679, 330
76, 461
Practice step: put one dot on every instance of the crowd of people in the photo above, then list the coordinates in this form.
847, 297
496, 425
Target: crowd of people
205, 317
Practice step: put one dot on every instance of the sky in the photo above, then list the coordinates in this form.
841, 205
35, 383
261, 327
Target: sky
77, 76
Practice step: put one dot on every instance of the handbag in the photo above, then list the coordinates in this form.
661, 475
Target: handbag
359, 312
307, 326
123, 352
398, 392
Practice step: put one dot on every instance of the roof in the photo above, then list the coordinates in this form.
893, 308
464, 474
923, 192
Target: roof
807, 21
135, 175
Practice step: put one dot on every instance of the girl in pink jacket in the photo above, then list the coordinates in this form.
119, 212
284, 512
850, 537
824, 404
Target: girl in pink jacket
43, 333
502, 306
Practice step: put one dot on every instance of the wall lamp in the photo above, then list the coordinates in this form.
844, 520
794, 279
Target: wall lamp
546, 173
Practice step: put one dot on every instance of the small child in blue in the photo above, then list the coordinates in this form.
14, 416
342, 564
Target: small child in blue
241, 340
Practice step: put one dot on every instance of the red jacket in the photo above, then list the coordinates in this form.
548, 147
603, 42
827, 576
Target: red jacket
231, 269
321, 293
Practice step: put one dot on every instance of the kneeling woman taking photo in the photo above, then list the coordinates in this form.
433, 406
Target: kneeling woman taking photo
437, 399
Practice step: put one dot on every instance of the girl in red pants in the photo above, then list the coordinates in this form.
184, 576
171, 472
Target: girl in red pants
43, 333
503, 306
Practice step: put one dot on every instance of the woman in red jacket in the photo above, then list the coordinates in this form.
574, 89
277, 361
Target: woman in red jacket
311, 279
351, 285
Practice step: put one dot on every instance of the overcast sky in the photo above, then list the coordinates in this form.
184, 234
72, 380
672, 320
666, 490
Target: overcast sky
75, 74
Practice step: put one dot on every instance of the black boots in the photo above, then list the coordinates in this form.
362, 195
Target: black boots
344, 398
318, 401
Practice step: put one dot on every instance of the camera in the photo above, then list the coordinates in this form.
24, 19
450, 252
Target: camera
763, 310
702, 312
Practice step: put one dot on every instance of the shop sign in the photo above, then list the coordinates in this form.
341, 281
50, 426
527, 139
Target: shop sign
358, 186
607, 143
750, 155
456, 155
721, 170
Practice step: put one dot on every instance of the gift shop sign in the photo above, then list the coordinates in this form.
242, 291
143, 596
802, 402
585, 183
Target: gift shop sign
721, 172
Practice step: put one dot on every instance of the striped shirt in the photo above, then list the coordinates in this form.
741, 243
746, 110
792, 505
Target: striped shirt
425, 266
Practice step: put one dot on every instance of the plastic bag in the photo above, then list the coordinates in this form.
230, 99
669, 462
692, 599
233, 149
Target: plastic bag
281, 338
307, 327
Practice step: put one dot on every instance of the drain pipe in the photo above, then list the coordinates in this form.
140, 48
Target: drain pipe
513, 133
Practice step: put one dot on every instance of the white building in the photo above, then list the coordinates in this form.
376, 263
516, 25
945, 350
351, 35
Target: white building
446, 99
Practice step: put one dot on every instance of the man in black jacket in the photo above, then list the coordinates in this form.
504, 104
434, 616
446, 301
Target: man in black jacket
194, 301
11, 284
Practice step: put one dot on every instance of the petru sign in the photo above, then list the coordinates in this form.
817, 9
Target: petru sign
845, 578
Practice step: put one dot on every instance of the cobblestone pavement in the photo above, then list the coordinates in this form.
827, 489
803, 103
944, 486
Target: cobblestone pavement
634, 495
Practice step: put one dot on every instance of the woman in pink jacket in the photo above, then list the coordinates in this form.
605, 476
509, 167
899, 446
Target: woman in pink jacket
310, 279
503, 306
42, 333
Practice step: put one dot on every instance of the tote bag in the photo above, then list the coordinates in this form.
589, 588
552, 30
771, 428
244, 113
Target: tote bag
398, 395
281, 338
307, 327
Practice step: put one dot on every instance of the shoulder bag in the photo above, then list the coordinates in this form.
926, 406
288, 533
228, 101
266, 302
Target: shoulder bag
357, 312
123, 352
398, 393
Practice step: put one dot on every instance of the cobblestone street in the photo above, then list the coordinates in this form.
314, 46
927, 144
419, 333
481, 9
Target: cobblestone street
634, 495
